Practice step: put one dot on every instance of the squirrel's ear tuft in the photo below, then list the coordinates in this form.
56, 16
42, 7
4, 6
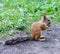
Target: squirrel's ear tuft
44, 16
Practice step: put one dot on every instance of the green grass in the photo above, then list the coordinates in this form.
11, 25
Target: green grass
22, 13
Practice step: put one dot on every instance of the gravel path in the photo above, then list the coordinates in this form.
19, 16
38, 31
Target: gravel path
50, 46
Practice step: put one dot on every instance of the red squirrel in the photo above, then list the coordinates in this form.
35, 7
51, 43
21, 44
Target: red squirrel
38, 27
36, 30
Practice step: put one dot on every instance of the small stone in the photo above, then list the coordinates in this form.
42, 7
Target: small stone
56, 40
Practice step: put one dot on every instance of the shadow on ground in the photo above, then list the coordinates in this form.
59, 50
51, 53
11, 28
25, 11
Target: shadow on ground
50, 46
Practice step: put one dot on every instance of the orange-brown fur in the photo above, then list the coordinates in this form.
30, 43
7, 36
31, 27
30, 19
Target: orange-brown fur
38, 27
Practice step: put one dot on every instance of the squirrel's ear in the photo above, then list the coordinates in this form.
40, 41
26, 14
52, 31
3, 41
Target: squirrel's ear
44, 17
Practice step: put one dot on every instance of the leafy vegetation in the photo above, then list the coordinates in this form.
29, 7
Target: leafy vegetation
22, 13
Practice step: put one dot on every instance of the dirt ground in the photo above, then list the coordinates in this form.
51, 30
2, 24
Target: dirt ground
50, 46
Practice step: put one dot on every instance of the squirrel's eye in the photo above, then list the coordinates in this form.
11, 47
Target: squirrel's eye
48, 20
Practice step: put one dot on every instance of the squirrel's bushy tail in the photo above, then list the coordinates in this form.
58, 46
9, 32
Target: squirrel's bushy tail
17, 40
